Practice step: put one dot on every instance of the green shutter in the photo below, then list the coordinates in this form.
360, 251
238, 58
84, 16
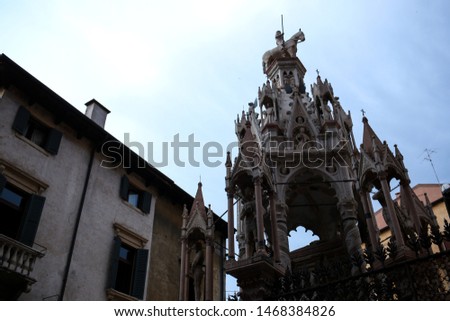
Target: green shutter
145, 201
114, 263
53, 141
2, 182
124, 187
140, 273
21, 121
30, 220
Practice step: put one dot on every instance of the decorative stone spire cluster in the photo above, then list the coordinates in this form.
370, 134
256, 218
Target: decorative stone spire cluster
377, 166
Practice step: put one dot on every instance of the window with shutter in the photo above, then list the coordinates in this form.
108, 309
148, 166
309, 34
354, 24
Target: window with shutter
37, 132
114, 262
30, 221
53, 141
128, 269
146, 202
140, 273
124, 187
137, 197
20, 213
21, 121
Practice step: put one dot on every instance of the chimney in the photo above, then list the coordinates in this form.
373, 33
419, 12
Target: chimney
96, 112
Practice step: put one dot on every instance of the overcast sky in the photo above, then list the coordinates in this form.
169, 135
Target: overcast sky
189, 67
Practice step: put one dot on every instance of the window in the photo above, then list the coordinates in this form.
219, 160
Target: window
127, 256
129, 263
20, 212
36, 132
135, 196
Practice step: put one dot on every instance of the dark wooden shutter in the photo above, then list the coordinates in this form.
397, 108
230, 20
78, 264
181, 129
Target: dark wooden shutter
21, 121
124, 187
53, 141
2, 182
30, 220
114, 263
145, 201
140, 273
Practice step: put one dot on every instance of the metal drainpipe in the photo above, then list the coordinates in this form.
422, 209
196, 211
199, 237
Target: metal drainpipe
77, 224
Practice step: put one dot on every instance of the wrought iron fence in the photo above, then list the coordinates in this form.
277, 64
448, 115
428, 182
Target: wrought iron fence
425, 277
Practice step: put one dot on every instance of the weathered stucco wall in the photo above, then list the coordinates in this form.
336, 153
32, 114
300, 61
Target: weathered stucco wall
65, 174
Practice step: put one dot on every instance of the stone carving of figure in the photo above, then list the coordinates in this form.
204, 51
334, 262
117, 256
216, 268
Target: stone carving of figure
248, 213
291, 44
302, 137
404, 219
197, 271
250, 235
326, 112
283, 48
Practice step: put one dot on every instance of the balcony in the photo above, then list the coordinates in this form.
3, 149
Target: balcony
16, 264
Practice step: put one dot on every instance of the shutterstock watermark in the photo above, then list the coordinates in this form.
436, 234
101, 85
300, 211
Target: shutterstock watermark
329, 152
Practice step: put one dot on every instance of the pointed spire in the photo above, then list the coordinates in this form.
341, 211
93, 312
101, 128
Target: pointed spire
184, 220
198, 207
243, 119
371, 142
228, 162
185, 212
398, 154
319, 80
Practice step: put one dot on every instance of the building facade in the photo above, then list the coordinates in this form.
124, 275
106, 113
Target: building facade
82, 216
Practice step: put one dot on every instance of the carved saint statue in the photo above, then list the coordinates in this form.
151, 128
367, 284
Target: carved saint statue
197, 271
248, 213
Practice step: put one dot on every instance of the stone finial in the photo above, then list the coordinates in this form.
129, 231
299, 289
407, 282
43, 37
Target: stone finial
228, 162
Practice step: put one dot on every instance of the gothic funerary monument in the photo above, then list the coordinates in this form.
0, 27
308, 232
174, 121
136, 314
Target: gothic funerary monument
298, 166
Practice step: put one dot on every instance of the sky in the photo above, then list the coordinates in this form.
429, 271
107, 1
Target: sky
183, 70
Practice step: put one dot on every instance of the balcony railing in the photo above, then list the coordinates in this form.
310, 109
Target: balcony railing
17, 257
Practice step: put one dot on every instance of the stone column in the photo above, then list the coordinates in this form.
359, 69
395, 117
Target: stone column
282, 212
411, 205
183, 262
259, 216
395, 228
373, 235
352, 237
240, 238
186, 275
230, 226
371, 223
183, 269
209, 272
274, 228
230, 194
209, 256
